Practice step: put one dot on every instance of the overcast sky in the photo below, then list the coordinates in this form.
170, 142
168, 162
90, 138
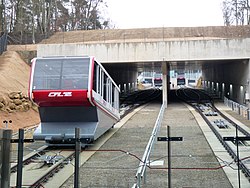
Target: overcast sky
164, 13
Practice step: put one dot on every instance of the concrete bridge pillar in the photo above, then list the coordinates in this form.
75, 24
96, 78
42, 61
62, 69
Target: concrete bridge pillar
247, 94
165, 82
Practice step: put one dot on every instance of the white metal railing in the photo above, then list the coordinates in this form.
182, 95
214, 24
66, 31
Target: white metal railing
145, 159
240, 109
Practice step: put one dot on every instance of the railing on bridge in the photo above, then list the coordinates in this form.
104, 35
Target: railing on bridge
141, 171
240, 109
3, 43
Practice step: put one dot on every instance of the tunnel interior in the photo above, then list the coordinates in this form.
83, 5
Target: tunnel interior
226, 78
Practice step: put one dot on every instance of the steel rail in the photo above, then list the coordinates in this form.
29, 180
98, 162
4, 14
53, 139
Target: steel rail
39, 181
28, 158
242, 130
244, 168
58, 166
140, 98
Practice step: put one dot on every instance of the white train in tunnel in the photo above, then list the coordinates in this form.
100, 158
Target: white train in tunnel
73, 92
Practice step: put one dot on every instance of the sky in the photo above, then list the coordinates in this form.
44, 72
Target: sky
126, 14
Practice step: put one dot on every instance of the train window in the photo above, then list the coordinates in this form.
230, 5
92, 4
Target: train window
107, 90
110, 92
113, 96
116, 99
47, 76
95, 77
109, 87
75, 72
70, 73
181, 81
105, 87
101, 82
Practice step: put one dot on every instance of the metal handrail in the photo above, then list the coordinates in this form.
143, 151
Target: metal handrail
239, 108
143, 164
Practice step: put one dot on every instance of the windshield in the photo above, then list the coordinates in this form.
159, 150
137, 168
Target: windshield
61, 74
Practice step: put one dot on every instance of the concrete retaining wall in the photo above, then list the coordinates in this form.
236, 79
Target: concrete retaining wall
176, 50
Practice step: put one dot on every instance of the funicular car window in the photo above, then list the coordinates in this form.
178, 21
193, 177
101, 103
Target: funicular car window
70, 73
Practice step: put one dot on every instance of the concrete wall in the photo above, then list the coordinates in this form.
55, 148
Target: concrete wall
234, 73
176, 50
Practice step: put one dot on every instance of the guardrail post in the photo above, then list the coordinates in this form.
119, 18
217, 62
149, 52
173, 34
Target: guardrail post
145, 176
20, 159
169, 139
5, 154
77, 157
169, 158
237, 150
139, 180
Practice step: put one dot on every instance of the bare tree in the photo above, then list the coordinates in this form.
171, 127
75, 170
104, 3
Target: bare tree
2, 15
86, 15
32, 20
227, 13
236, 12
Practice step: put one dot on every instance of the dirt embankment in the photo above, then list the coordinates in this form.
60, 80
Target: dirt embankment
148, 34
14, 102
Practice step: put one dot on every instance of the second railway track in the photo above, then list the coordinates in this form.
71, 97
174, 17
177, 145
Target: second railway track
222, 126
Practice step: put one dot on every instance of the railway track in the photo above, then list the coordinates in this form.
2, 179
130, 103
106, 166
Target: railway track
42, 165
50, 167
138, 98
29, 158
222, 127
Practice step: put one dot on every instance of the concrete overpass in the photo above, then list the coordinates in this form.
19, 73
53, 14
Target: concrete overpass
223, 53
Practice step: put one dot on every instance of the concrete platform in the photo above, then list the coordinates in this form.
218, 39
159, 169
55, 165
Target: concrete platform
194, 163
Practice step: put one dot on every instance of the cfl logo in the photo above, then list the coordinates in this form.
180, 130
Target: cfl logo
60, 94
